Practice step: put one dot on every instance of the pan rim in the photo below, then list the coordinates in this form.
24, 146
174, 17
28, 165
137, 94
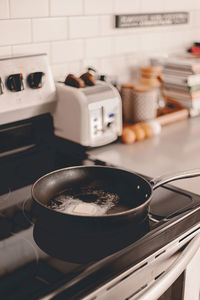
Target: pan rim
129, 211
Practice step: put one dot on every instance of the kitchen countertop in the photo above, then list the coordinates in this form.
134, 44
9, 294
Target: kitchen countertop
177, 148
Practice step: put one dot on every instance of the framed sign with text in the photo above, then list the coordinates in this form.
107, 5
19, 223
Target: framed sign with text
152, 19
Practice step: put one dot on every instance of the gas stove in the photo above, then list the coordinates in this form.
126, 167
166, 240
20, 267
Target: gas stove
28, 150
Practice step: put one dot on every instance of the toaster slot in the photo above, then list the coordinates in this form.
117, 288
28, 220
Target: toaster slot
102, 118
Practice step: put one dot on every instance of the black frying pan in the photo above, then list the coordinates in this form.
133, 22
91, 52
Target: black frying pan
110, 198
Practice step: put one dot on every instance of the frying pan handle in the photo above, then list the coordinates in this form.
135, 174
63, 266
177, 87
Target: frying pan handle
156, 182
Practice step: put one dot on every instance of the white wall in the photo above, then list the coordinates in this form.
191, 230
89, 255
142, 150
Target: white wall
78, 33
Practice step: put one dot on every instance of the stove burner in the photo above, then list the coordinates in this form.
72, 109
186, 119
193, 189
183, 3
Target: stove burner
22, 253
6, 226
6, 195
27, 211
14, 218
86, 248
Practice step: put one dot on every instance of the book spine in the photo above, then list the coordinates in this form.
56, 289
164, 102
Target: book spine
193, 80
182, 80
194, 88
188, 65
189, 104
181, 94
177, 72
182, 88
193, 112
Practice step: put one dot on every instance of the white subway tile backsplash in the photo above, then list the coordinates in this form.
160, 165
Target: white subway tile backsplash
154, 41
60, 71
173, 41
4, 9
31, 49
29, 8
81, 33
108, 65
67, 51
127, 6
115, 67
98, 47
195, 33
15, 32
190, 36
127, 44
92, 63
107, 25
5, 51
188, 39
195, 4
74, 67
66, 7
134, 61
80, 27
98, 7
152, 6
49, 29
195, 18
179, 5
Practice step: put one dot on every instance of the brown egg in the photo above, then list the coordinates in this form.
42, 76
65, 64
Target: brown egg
125, 125
128, 136
137, 125
149, 132
139, 132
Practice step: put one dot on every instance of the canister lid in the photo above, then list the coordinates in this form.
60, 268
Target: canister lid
128, 85
151, 70
142, 88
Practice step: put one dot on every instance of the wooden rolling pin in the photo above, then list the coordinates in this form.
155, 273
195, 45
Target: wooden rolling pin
173, 117
143, 130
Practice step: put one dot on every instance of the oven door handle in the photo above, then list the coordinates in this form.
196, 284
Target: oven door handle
172, 273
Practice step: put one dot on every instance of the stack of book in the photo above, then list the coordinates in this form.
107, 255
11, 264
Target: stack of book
181, 82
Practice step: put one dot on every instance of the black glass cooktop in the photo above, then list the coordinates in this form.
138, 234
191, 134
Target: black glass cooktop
28, 270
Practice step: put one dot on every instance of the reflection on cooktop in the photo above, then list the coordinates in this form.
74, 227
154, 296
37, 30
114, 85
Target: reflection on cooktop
166, 202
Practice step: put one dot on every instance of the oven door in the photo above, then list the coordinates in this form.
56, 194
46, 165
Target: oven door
181, 280
171, 273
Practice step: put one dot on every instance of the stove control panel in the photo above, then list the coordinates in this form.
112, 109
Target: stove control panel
14, 82
35, 80
27, 88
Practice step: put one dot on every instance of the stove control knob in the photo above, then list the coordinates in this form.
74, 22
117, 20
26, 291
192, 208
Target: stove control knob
15, 82
1, 86
35, 80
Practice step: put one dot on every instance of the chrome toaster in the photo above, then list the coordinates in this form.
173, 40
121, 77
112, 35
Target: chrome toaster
90, 116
